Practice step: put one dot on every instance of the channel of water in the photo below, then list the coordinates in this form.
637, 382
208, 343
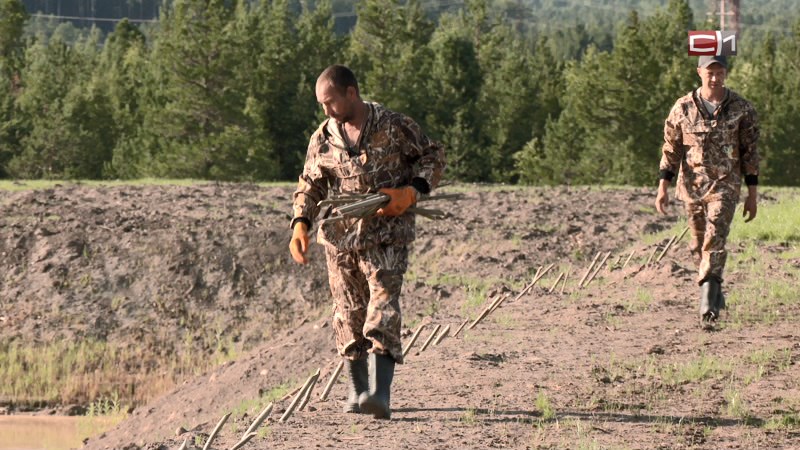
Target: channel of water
49, 432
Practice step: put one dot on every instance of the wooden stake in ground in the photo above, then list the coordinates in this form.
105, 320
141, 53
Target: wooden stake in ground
291, 393
616, 263
629, 258
500, 300
430, 338
492, 301
307, 397
564, 285
442, 335
334, 376
183, 446
413, 339
300, 395
544, 272
597, 269
460, 327
259, 420
674, 241
552, 288
681, 236
655, 249
214, 432
243, 441
496, 303
666, 248
588, 270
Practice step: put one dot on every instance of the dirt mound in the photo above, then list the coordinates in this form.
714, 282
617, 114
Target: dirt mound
621, 363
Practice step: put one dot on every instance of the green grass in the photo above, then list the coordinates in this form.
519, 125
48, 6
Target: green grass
470, 417
254, 406
24, 185
762, 300
703, 368
774, 222
83, 371
475, 289
545, 407
788, 420
735, 405
661, 237
641, 302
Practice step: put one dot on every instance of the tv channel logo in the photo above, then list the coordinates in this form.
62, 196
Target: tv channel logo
713, 42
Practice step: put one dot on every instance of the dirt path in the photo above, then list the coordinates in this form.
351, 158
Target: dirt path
621, 364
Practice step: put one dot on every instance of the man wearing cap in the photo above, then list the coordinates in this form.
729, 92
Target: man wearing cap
364, 148
710, 143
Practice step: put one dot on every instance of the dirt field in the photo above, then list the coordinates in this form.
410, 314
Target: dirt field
620, 364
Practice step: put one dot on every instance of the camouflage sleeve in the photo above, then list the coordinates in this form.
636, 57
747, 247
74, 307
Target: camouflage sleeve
748, 137
426, 155
312, 187
672, 152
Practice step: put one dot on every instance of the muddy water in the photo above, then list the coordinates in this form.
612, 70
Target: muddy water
48, 432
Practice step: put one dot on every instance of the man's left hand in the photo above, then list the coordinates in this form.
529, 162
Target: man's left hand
750, 207
400, 200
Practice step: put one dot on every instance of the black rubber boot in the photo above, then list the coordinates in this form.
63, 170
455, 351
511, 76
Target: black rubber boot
709, 300
381, 372
358, 383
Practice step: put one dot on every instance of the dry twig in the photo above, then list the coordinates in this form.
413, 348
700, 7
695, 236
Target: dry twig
442, 335
334, 376
430, 338
597, 269
460, 327
300, 395
216, 430
588, 270
413, 339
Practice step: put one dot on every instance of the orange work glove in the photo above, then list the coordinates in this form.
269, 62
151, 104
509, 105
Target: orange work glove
401, 199
299, 243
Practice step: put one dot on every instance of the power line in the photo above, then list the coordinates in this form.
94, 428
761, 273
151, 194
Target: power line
92, 19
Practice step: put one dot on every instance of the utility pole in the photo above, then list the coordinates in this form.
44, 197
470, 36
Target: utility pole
728, 12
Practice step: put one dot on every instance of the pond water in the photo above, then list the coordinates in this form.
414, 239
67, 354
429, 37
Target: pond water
49, 432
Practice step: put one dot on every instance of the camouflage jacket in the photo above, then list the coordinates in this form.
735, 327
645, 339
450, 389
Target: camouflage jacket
710, 152
392, 152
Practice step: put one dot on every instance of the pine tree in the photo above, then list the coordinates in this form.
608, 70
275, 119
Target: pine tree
123, 76
391, 57
71, 130
195, 122
455, 83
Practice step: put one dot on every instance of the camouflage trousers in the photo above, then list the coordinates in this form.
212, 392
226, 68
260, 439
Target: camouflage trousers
709, 224
366, 286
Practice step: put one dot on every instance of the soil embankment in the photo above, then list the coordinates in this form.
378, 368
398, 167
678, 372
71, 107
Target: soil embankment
619, 364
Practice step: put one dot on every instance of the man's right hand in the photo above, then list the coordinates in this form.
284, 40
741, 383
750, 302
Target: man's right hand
662, 198
298, 246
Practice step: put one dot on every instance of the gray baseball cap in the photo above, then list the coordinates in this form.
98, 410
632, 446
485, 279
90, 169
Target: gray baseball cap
707, 60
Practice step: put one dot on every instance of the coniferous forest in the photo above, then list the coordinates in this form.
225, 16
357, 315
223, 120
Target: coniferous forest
535, 92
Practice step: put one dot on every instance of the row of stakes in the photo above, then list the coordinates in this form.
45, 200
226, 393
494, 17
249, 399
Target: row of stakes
302, 395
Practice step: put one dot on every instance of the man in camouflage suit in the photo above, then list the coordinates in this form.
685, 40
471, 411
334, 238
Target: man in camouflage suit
364, 148
710, 142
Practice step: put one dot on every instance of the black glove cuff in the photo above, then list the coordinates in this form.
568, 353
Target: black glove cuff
300, 219
751, 180
421, 185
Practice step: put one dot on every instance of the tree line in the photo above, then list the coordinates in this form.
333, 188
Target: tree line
224, 89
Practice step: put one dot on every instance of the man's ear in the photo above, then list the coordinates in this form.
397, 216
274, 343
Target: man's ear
352, 93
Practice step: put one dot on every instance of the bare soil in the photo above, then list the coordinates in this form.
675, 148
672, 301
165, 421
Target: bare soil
621, 364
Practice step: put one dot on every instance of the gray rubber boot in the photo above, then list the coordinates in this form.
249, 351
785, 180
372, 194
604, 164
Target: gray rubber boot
381, 373
709, 300
358, 383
